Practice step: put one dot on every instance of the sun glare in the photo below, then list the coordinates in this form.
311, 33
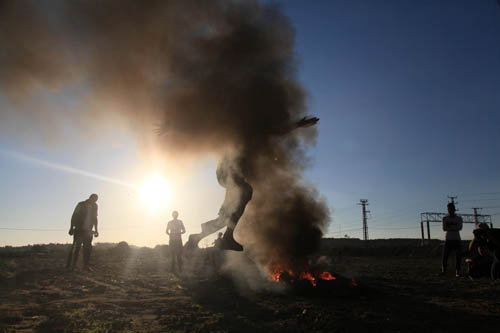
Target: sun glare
155, 193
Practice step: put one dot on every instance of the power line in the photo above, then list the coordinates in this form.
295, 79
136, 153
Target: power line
393, 213
384, 218
487, 199
117, 228
384, 228
31, 229
336, 232
474, 194
390, 217
350, 223
345, 208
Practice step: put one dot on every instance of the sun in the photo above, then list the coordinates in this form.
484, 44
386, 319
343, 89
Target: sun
155, 193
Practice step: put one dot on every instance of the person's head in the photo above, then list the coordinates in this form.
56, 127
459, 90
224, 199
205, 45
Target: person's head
175, 214
220, 235
451, 208
483, 226
93, 197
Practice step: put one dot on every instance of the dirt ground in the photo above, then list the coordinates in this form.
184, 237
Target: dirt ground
134, 290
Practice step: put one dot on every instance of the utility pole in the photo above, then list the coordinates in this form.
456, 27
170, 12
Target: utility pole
364, 203
452, 198
475, 216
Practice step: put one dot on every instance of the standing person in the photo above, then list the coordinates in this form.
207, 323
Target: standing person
452, 224
175, 229
487, 242
83, 220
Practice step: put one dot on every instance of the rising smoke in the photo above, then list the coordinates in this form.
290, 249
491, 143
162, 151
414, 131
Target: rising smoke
219, 76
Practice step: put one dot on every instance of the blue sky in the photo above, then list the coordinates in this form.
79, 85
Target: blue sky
408, 96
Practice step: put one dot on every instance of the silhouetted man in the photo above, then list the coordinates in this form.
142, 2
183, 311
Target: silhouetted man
175, 229
231, 175
487, 242
83, 220
452, 224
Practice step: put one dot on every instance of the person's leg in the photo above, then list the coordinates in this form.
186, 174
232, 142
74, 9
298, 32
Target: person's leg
173, 255
76, 248
87, 249
70, 254
494, 264
207, 228
446, 253
458, 257
228, 241
179, 256
175, 259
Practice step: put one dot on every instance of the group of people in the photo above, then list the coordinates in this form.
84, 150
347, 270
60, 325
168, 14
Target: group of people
84, 228
483, 250
230, 172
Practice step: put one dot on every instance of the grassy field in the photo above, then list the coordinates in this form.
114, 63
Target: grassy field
132, 289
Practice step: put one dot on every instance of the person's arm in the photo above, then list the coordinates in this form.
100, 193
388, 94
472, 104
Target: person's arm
454, 227
457, 226
183, 230
302, 123
307, 122
75, 215
168, 229
72, 225
443, 223
96, 233
472, 244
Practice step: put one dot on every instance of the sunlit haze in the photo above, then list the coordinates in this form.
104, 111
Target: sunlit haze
155, 193
407, 94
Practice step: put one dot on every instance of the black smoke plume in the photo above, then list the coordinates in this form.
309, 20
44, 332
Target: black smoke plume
219, 76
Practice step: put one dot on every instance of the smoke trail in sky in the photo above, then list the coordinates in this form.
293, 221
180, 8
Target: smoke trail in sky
65, 168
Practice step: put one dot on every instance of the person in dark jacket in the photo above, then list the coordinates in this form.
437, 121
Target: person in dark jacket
486, 242
452, 224
83, 228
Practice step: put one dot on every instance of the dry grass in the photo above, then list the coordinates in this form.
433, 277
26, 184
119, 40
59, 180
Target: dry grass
136, 292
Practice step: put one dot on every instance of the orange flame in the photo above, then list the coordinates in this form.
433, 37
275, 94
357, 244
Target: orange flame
278, 272
326, 276
308, 276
